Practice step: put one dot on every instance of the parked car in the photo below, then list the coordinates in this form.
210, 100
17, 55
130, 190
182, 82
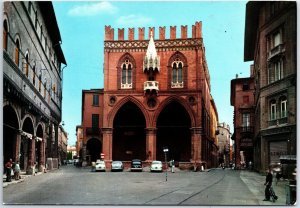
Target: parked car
156, 166
136, 165
100, 165
117, 166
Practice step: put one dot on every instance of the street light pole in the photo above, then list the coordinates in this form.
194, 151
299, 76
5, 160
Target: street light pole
166, 151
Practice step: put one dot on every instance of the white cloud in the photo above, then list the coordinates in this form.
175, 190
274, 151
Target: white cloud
92, 9
133, 20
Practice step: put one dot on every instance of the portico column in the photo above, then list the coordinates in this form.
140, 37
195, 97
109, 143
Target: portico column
107, 143
151, 144
196, 144
42, 156
17, 147
30, 169
83, 155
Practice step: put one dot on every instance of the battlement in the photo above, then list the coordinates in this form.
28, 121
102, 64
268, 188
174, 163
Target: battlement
196, 32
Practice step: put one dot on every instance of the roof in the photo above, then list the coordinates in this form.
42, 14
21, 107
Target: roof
251, 26
48, 14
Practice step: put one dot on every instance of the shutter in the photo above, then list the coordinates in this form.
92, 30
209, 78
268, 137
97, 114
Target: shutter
276, 150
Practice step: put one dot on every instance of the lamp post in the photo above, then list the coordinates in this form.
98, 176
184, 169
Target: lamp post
166, 150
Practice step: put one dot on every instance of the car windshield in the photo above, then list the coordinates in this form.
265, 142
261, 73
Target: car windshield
117, 163
136, 162
156, 162
100, 162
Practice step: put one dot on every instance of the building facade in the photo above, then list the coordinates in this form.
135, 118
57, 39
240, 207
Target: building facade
223, 141
271, 42
156, 94
242, 99
62, 144
32, 84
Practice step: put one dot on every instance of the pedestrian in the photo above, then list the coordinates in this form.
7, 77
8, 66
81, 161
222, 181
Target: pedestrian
8, 167
173, 166
268, 184
17, 171
93, 167
250, 165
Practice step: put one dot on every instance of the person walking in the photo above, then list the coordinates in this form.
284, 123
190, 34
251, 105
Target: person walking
268, 184
17, 171
173, 166
8, 167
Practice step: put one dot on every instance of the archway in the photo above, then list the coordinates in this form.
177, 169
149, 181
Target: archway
94, 148
10, 130
129, 137
173, 131
26, 144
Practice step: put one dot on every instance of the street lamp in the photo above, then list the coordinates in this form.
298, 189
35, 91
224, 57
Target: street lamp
166, 150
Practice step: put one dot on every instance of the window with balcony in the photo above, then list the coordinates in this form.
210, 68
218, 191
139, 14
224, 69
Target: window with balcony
273, 110
246, 119
126, 80
275, 71
177, 74
95, 100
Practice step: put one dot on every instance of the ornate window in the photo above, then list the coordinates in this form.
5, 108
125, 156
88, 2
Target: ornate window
126, 77
26, 64
275, 71
17, 52
177, 71
5, 34
177, 74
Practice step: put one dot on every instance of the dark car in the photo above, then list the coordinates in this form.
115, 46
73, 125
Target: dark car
136, 165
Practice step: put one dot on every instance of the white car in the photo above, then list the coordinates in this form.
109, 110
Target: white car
100, 165
117, 166
156, 166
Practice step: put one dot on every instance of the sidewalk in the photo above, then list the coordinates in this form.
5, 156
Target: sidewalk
13, 181
255, 183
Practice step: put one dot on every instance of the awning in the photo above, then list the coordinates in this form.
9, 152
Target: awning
27, 135
39, 138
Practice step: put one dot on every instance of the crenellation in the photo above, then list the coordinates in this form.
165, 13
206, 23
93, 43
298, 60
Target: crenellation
196, 32
120, 33
109, 33
183, 31
151, 29
162, 33
141, 33
130, 33
172, 32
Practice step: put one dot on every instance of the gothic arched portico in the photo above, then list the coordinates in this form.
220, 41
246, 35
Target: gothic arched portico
93, 149
129, 137
173, 127
10, 133
27, 145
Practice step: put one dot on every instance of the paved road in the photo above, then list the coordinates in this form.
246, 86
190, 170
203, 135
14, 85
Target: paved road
71, 185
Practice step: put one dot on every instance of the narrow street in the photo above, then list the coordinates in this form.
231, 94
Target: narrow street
71, 185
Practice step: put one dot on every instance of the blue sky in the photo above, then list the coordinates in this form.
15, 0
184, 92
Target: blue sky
82, 30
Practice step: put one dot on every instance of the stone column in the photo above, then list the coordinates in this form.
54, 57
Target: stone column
151, 144
31, 156
107, 143
18, 147
196, 144
42, 156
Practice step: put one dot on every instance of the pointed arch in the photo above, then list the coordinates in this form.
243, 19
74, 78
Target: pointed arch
5, 31
179, 100
119, 104
17, 50
126, 72
177, 71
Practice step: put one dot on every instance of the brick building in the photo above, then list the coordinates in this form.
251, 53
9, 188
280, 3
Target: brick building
242, 99
271, 42
32, 84
156, 94
223, 141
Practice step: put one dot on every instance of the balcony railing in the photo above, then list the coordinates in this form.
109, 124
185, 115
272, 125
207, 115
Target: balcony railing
278, 121
247, 129
151, 85
93, 131
276, 51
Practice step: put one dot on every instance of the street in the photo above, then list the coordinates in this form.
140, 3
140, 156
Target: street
71, 185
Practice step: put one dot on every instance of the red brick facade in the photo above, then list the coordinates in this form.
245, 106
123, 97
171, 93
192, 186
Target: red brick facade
145, 109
